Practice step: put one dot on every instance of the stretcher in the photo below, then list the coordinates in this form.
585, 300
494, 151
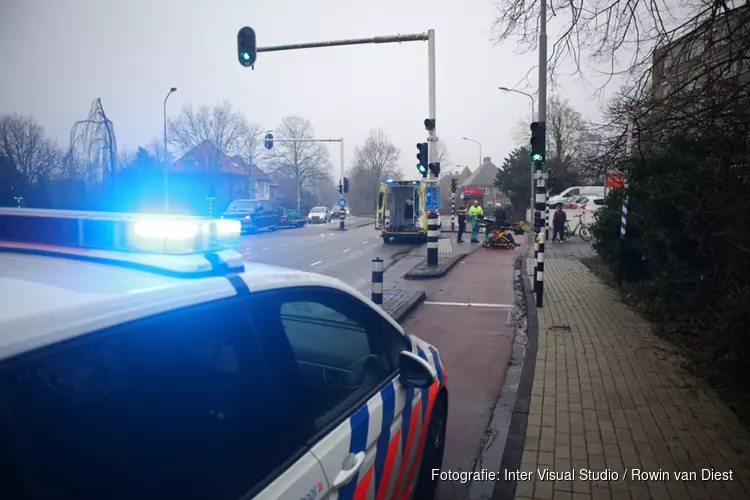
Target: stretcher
499, 234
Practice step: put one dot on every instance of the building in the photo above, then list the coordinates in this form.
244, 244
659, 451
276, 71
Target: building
480, 185
716, 52
205, 168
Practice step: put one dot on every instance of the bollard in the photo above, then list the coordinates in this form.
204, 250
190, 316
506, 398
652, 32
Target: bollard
377, 281
342, 218
540, 272
433, 234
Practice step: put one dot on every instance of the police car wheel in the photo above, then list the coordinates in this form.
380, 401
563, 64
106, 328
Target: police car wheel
434, 448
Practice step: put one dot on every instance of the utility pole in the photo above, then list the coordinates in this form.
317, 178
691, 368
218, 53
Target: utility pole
541, 192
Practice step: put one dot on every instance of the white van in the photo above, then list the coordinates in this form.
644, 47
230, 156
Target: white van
574, 192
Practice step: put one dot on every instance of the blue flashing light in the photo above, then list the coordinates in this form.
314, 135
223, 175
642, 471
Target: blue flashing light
415, 182
390, 181
165, 230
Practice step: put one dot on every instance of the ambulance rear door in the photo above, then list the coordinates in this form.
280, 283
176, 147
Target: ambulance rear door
380, 209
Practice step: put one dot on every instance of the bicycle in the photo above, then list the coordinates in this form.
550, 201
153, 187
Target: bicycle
584, 230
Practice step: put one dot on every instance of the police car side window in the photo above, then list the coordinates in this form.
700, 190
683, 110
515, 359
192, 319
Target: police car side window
334, 347
176, 406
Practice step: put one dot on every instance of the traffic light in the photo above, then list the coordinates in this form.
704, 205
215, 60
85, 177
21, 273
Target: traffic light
211, 193
435, 169
246, 50
454, 185
429, 124
346, 185
550, 180
422, 157
537, 142
341, 188
268, 141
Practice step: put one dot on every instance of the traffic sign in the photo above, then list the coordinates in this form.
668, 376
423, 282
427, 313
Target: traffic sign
342, 202
432, 198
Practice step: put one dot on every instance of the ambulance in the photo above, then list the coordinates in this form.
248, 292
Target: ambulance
400, 211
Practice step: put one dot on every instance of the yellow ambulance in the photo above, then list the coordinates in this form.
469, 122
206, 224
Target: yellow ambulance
400, 210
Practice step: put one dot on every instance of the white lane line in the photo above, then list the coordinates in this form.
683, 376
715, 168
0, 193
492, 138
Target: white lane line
315, 263
469, 304
296, 241
331, 234
347, 250
283, 244
364, 242
266, 249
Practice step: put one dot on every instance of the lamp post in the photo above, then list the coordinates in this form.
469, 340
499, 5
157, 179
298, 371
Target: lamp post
480, 148
531, 184
166, 160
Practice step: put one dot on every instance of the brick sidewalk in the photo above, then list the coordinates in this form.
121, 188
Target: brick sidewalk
609, 394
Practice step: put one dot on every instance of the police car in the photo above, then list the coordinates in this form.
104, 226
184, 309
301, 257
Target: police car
140, 358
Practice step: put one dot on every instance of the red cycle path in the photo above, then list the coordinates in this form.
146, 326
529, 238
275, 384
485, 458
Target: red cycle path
475, 344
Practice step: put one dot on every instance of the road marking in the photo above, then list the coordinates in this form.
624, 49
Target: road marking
266, 249
347, 250
364, 242
315, 263
296, 241
330, 234
469, 304
283, 244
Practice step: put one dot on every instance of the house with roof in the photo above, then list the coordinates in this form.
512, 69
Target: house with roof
206, 168
480, 185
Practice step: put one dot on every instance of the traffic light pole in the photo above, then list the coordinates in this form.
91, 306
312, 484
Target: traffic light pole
433, 219
433, 222
541, 190
341, 141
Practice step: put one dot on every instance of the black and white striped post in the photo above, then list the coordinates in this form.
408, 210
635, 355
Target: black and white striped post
433, 234
342, 218
377, 281
453, 210
541, 201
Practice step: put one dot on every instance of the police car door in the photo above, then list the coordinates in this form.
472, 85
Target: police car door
343, 389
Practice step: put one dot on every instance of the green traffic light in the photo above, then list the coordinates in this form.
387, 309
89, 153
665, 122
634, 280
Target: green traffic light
421, 168
537, 157
246, 56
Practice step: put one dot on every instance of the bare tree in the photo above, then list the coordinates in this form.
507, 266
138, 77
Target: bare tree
23, 144
221, 125
305, 162
374, 161
93, 146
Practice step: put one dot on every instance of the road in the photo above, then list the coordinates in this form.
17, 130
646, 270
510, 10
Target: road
323, 248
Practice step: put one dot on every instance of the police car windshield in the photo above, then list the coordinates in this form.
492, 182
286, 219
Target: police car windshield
245, 205
319, 209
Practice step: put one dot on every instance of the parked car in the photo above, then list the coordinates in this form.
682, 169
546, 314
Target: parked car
254, 214
336, 211
573, 193
319, 215
588, 202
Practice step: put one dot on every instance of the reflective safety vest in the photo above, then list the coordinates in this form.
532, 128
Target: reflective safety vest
475, 210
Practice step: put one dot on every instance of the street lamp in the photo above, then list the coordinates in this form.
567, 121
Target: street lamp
531, 187
480, 148
166, 160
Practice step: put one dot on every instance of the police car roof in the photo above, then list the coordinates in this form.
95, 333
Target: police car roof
47, 299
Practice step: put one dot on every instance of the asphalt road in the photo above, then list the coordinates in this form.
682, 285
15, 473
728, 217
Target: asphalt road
323, 248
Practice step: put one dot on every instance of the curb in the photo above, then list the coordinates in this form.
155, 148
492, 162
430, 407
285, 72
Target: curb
405, 310
513, 452
439, 274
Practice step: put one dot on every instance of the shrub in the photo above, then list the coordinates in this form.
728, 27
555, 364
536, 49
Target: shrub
688, 247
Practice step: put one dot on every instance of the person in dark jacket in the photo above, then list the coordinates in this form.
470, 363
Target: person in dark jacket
461, 223
558, 223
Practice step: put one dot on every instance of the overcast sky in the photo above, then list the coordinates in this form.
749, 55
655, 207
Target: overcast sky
59, 56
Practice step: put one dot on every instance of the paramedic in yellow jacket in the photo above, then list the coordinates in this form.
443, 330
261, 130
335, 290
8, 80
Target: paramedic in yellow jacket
476, 209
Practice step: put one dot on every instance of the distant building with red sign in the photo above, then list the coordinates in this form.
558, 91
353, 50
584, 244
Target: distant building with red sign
480, 185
